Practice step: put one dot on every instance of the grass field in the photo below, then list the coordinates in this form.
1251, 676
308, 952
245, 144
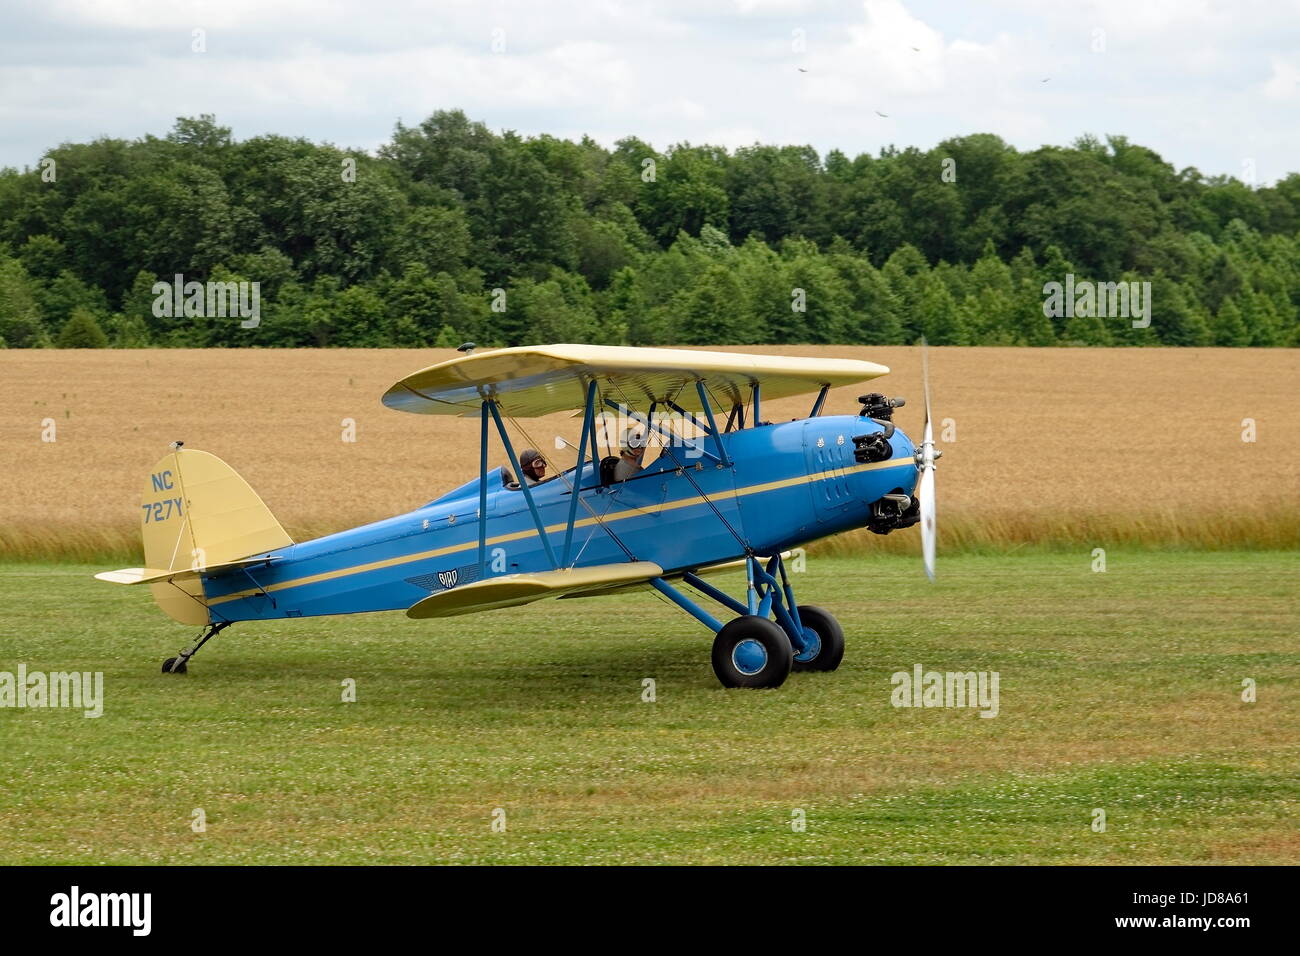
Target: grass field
1118, 690
1047, 447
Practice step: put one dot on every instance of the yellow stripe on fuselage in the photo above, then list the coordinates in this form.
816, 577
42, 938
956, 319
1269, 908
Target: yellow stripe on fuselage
552, 529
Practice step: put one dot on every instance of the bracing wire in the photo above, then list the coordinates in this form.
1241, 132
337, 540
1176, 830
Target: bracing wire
698, 490
575, 490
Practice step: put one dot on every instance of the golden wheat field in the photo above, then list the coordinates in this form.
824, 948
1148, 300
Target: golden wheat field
1041, 446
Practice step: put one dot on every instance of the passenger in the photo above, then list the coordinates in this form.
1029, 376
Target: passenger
533, 466
629, 458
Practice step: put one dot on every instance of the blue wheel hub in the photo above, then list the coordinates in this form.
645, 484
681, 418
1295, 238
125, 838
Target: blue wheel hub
812, 646
749, 656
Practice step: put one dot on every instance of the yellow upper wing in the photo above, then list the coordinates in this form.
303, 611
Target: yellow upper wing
537, 380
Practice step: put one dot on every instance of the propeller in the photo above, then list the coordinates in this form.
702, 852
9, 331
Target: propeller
925, 459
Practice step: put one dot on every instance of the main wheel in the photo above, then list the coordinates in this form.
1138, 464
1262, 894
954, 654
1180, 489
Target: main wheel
751, 651
170, 663
825, 650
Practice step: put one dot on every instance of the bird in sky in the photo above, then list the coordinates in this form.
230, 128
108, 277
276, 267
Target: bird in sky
885, 115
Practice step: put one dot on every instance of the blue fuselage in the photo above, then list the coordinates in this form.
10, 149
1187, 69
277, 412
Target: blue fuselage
787, 484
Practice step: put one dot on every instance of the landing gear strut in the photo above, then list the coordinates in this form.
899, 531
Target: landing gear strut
177, 664
753, 650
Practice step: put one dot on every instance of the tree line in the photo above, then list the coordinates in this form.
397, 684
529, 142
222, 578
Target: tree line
452, 232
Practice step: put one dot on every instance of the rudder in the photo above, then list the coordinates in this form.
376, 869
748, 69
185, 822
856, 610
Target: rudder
198, 512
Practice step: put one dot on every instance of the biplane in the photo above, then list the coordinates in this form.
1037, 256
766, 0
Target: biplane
722, 488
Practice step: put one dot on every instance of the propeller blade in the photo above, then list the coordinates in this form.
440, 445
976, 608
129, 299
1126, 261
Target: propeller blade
925, 459
926, 495
925, 383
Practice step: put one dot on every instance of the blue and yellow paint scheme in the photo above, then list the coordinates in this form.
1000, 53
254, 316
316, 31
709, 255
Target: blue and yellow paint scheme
718, 492
788, 484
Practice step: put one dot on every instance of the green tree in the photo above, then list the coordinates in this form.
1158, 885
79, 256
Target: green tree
523, 219
127, 332
548, 314
902, 274
355, 318
60, 296
873, 318
989, 317
624, 238
435, 237
1056, 268
1033, 326
1174, 319
82, 331
44, 257
1262, 320
1229, 329
688, 190
990, 272
714, 310
818, 301
939, 317
625, 304
20, 316
603, 248
1086, 330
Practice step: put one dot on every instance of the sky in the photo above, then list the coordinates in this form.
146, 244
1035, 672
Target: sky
1214, 85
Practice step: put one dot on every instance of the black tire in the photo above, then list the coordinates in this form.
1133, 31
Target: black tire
170, 663
830, 636
752, 651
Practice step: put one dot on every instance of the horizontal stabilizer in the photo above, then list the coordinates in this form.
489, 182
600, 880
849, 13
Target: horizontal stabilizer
155, 575
510, 590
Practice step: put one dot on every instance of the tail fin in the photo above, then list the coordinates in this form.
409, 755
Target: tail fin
197, 513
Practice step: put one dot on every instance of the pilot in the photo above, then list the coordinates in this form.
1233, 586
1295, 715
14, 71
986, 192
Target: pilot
533, 466
629, 457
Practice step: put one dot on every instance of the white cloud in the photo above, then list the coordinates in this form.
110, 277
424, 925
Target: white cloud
1284, 82
1193, 79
